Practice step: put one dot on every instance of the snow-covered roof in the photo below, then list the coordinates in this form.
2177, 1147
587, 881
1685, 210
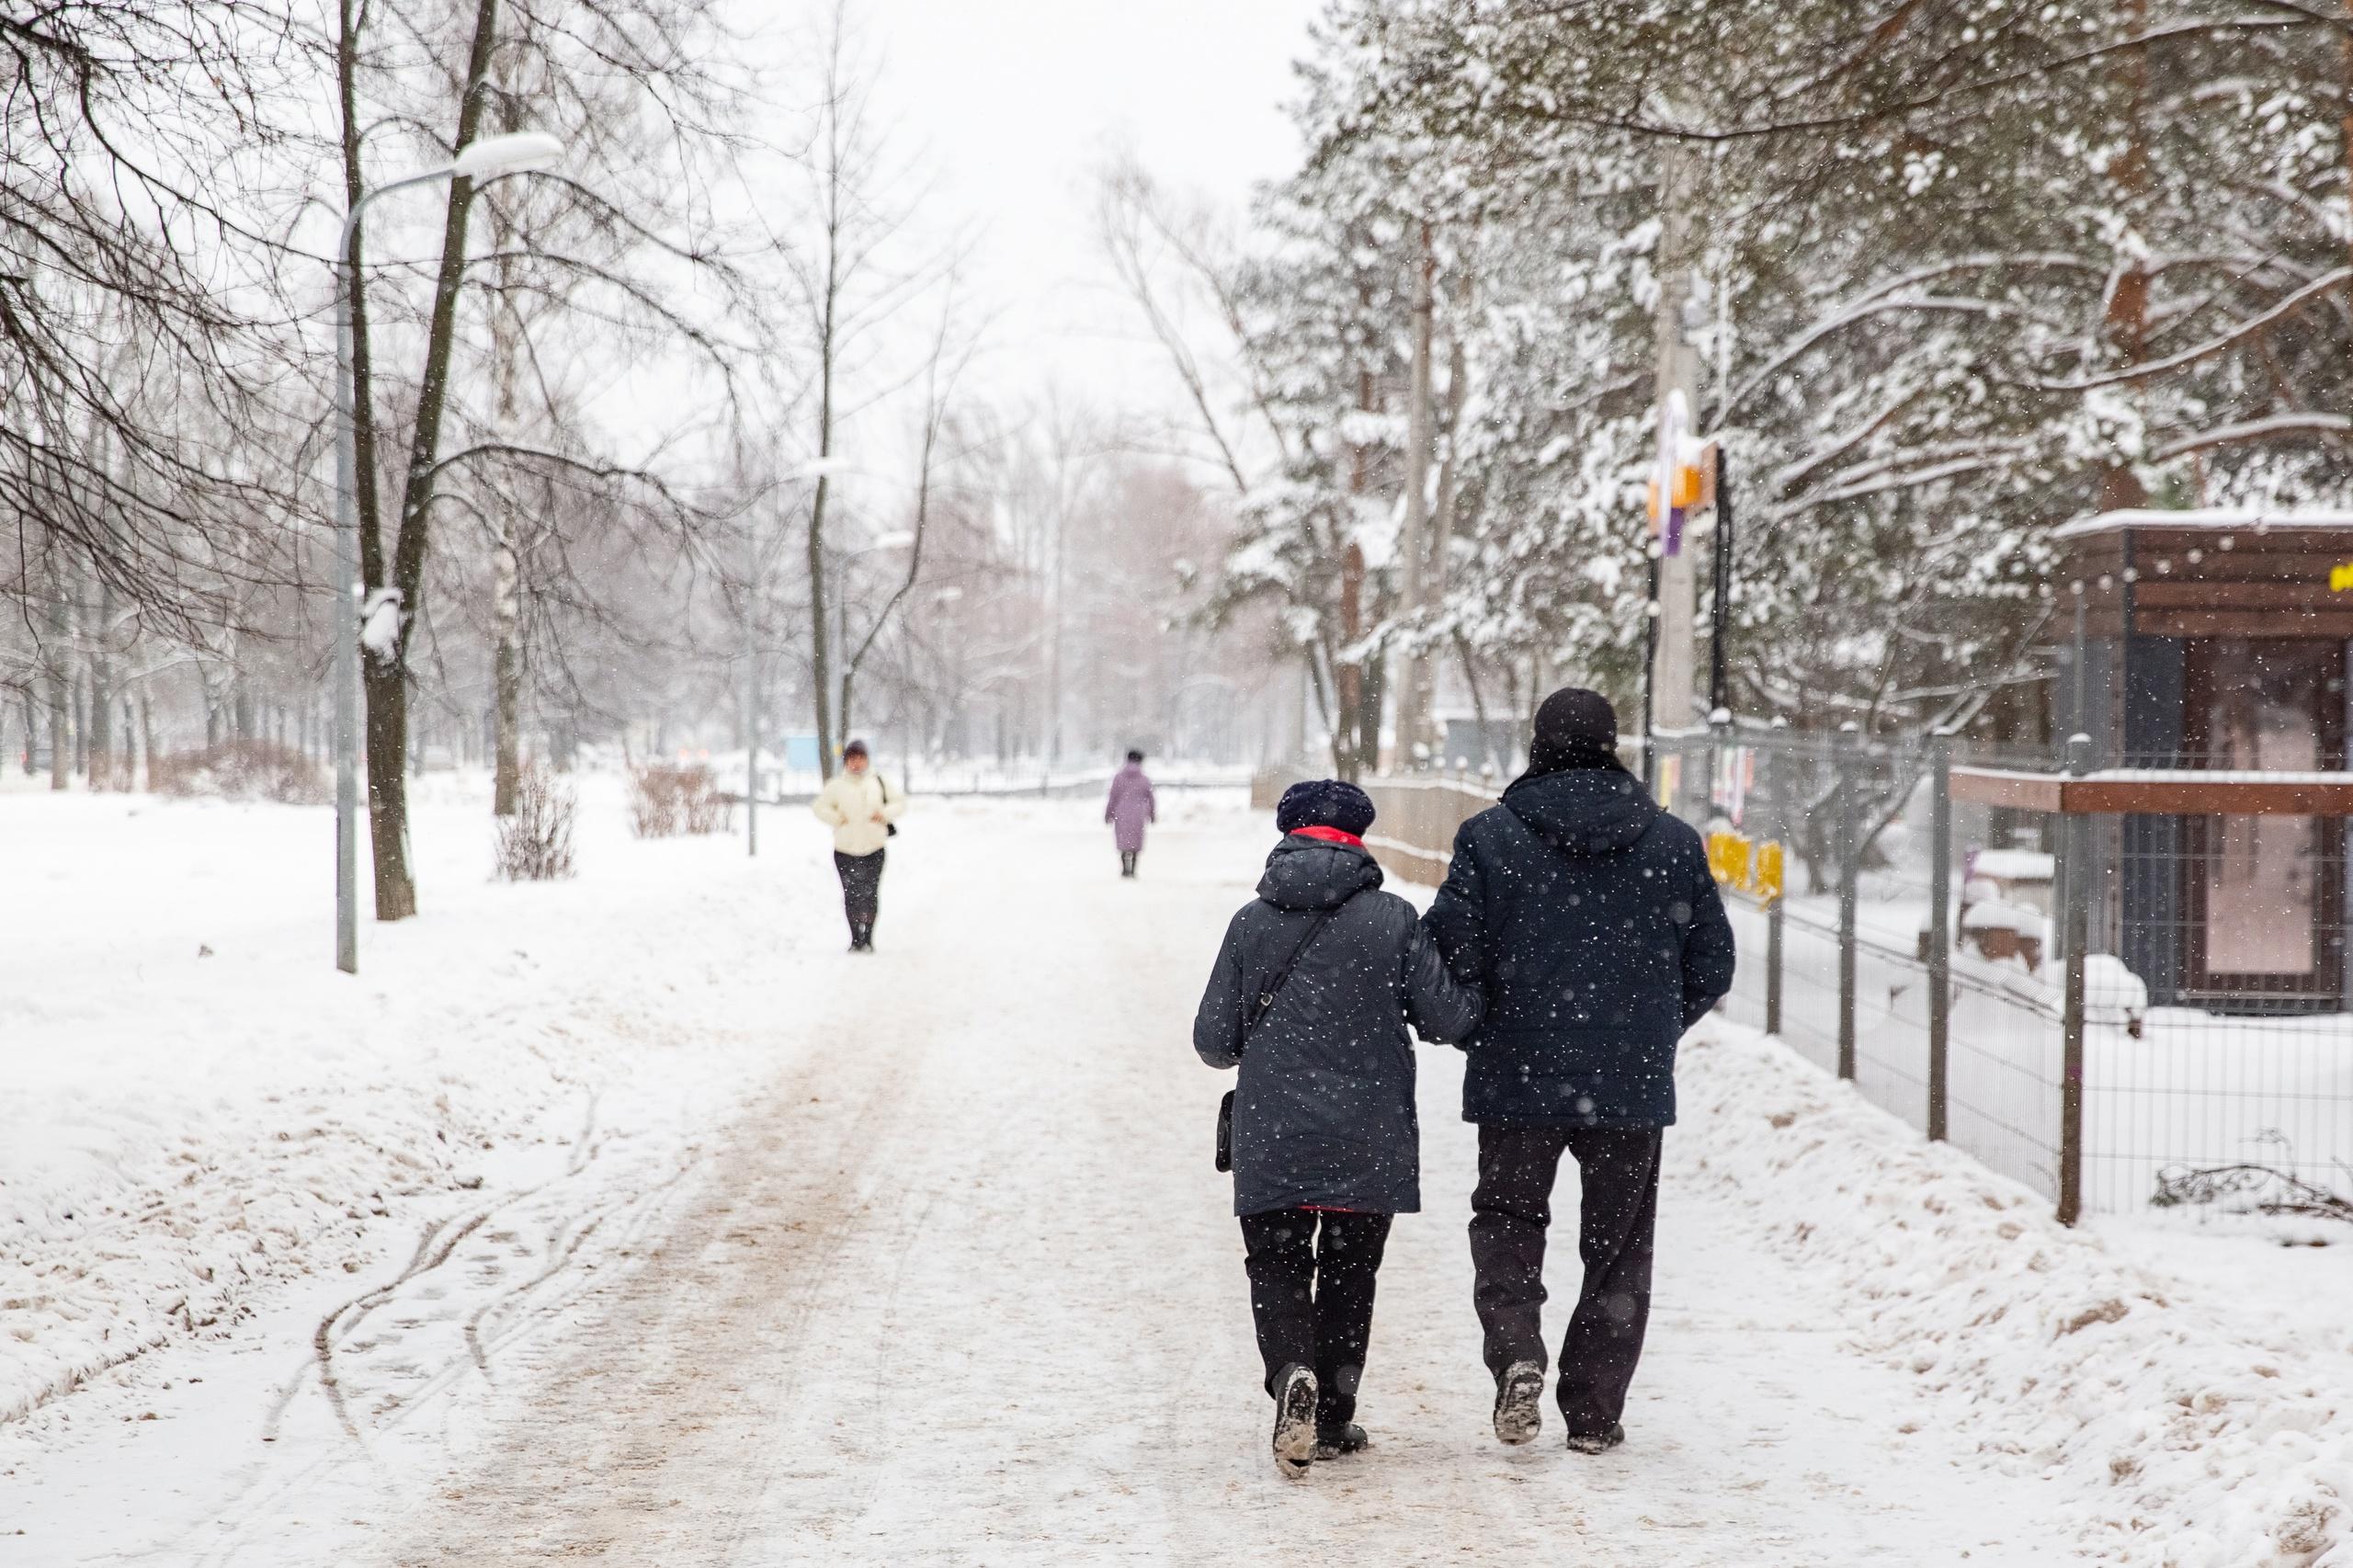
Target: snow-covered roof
2014, 865
2205, 519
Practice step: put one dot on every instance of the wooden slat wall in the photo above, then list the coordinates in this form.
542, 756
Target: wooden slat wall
2192, 793
2243, 583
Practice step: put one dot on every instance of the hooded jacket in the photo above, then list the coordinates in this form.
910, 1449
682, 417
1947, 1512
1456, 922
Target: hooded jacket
1324, 1113
1592, 918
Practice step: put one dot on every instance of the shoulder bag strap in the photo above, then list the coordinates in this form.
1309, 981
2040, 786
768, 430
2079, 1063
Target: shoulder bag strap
1264, 1003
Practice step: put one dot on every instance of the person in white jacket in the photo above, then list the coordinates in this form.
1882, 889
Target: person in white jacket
861, 806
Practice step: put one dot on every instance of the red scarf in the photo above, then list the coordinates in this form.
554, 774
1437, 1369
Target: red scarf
1329, 836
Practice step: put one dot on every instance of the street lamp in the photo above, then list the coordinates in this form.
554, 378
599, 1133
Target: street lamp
518, 153
816, 468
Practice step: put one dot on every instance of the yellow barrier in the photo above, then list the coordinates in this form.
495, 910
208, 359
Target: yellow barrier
1746, 866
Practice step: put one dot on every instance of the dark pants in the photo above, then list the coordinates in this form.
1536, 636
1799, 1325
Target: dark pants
1128, 863
861, 892
1312, 1297
1617, 1230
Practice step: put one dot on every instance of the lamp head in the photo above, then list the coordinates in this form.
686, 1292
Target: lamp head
517, 153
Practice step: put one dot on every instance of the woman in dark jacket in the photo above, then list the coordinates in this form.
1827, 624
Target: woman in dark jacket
1311, 996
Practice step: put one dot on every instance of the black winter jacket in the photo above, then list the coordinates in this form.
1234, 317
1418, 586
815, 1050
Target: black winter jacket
1592, 918
1324, 1113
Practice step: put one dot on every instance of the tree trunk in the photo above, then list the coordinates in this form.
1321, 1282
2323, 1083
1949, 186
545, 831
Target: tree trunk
506, 597
506, 561
386, 690
1356, 739
2128, 302
820, 634
61, 738
147, 736
1375, 697
102, 763
82, 726
384, 682
60, 741
1478, 699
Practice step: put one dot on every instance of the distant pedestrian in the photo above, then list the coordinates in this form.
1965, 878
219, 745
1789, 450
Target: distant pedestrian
1313, 989
863, 810
1128, 809
1591, 916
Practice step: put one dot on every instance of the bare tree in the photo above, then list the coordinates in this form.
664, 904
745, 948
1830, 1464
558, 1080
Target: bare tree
947, 362
599, 73
126, 229
849, 283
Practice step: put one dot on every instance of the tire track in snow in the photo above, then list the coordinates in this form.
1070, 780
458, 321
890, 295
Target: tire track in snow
675, 1343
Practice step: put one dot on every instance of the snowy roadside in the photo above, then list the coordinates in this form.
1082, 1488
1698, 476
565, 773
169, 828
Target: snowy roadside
2177, 1436
203, 1121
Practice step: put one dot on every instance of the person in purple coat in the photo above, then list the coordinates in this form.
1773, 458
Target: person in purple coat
1128, 809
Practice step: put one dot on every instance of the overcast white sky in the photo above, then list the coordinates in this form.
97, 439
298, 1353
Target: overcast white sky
1016, 102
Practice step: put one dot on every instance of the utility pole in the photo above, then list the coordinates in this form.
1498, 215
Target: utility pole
1673, 649
753, 584
1413, 698
1055, 586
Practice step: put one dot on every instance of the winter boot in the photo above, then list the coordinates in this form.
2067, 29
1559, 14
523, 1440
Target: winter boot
1596, 1441
1519, 1398
1294, 1421
1334, 1438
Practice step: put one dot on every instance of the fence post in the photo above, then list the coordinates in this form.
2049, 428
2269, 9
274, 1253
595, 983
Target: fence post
1940, 931
2075, 933
1849, 852
1771, 757
1719, 748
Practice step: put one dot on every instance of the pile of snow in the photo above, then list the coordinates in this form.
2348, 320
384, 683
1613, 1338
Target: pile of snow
202, 1116
1992, 915
2178, 1442
132, 1217
2113, 994
2013, 865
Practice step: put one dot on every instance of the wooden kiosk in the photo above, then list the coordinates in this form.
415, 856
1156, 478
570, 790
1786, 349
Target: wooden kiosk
2208, 664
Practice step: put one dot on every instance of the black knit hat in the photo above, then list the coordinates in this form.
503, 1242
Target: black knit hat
855, 748
1574, 728
1325, 803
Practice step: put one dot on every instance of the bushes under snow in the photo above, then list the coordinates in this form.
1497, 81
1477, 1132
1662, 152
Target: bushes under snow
241, 770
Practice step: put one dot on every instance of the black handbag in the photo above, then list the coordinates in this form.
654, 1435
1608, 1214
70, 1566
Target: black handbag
1263, 1003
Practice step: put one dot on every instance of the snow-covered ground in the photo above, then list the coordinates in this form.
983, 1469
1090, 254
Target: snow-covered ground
628, 1219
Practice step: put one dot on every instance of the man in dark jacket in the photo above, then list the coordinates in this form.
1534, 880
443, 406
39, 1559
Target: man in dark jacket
1310, 996
1592, 918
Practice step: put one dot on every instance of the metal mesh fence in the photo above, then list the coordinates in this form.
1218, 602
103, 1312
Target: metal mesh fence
1848, 979
2216, 1026
2213, 983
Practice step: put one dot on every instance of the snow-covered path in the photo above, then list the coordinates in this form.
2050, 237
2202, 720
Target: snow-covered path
963, 1288
958, 1285
943, 1276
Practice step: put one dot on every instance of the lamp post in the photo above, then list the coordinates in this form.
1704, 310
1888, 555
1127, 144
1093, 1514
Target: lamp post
486, 159
818, 467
